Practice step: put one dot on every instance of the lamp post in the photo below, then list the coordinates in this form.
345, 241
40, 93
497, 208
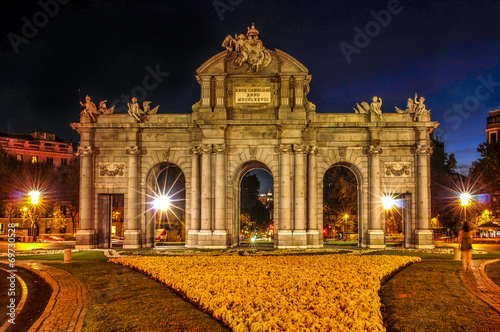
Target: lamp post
162, 204
34, 200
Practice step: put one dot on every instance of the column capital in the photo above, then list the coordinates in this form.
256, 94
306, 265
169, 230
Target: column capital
301, 148
285, 148
220, 148
84, 151
205, 148
313, 149
374, 150
422, 149
195, 150
133, 150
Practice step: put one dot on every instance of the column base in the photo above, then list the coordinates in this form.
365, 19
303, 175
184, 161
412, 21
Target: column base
212, 240
299, 239
376, 239
132, 239
192, 238
85, 239
424, 239
314, 239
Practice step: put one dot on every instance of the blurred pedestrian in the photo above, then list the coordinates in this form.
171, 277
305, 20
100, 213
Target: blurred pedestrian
465, 245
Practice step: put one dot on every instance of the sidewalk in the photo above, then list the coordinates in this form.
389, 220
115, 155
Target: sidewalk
478, 283
67, 305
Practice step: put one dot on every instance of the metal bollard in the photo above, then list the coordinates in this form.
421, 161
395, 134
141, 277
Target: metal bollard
67, 256
457, 254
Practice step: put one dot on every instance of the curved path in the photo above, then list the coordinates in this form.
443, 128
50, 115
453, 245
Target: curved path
478, 283
67, 305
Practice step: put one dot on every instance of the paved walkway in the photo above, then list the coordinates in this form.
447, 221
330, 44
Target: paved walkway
479, 283
67, 305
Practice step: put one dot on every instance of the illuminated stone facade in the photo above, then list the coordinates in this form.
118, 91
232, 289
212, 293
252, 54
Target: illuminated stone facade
254, 113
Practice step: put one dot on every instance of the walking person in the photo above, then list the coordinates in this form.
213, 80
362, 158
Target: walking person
465, 245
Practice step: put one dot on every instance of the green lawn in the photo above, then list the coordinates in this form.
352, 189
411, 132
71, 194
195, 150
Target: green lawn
430, 296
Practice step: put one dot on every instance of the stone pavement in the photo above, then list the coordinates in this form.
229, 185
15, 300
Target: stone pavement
478, 283
67, 305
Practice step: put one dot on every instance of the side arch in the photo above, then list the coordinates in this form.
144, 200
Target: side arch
158, 182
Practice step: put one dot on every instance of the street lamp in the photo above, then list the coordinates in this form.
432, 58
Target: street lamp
162, 203
388, 202
465, 199
34, 197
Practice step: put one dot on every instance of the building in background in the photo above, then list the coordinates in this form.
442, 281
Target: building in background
493, 126
40, 146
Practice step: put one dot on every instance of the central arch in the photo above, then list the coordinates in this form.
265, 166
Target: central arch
242, 171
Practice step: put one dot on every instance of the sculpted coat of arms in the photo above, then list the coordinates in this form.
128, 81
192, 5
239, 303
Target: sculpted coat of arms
249, 49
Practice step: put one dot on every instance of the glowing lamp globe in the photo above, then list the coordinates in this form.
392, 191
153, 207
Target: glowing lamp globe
34, 196
388, 202
161, 203
465, 199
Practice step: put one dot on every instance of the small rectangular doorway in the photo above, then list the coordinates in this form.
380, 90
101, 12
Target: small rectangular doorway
110, 220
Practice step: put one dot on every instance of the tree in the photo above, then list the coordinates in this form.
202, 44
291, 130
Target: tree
68, 183
486, 171
251, 207
444, 182
340, 199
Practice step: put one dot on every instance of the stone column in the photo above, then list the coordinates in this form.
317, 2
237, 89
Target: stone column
314, 234
220, 194
285, 205
132, 234
195, 197
423, 233
299, 93
219, 93
85, 236
300, 216
206, 189
285, 94
376, 234
205, 94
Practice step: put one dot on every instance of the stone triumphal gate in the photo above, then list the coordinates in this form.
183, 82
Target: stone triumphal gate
253, 113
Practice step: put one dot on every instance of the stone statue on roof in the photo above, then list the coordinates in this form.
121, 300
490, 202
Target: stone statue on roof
374, 107
249, 49
415, 107
135, 110
90, 109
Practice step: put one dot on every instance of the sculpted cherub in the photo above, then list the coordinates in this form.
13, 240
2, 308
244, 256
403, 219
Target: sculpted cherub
134, 109
376, 106
419, 107
90, 108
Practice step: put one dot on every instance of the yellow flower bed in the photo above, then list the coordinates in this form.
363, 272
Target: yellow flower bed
280, 293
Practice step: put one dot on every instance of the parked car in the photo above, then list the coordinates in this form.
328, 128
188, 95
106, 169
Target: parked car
51, 238
117, 239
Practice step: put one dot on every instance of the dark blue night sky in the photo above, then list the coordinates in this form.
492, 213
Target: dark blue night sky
446, 51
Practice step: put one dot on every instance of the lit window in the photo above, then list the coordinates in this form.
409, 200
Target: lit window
34, 159
19, 157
